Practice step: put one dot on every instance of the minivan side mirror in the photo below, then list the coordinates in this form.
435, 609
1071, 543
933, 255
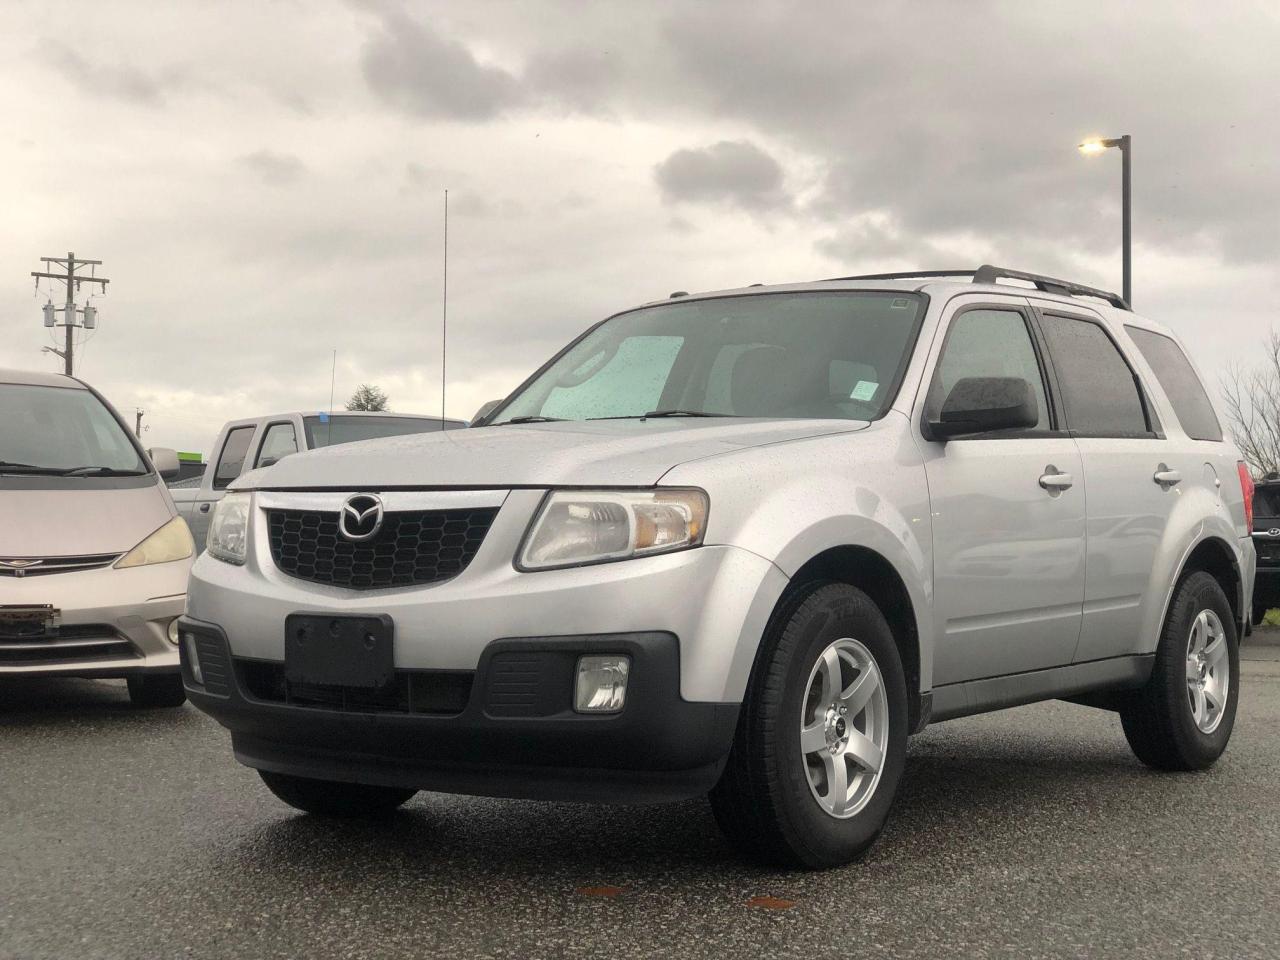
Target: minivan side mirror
165, 461
485, 410
984, 404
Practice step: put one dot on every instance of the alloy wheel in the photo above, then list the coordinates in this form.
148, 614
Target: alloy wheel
844, 728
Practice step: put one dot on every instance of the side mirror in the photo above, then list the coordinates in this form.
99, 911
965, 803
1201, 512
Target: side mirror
485, 410
165, 462
984, 404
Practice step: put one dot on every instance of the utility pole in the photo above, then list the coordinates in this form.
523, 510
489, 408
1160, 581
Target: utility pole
137, 422
73, 281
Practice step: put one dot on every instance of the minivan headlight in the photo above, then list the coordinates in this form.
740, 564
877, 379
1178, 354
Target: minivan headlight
171, 542
576, 527
229, 529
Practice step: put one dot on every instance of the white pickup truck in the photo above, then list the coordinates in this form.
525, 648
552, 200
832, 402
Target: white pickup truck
261, 441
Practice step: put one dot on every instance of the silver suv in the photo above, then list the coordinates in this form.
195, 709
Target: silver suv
744, 543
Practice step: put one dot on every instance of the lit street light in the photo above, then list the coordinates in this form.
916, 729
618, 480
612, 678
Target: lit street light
1098, 145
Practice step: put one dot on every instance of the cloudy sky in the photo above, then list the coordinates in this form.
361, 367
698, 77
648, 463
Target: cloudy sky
264, 179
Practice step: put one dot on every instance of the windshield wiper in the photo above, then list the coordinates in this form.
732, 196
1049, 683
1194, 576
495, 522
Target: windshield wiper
8, 466
100, 472
681, 413
527, 420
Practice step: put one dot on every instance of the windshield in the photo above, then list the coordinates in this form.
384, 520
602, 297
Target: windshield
57, 430
808, 355
324, 430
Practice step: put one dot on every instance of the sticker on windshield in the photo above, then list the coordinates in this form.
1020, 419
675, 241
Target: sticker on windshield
900, 304
324, 418
865, 390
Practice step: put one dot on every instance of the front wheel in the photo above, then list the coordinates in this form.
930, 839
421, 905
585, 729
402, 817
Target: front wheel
333, 798
1182, 718
821, 741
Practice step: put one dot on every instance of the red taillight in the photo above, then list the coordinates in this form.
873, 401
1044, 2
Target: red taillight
1246, 488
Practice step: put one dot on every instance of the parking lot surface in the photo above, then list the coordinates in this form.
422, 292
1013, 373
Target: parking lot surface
1031, 832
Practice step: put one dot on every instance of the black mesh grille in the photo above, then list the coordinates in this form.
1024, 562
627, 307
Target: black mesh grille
413, 547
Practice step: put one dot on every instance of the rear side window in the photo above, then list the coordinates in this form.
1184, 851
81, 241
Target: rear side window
1179, 380
231, 463
1098, 387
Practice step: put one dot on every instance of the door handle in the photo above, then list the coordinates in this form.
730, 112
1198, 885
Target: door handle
204, 508
1166, 477
1054, 480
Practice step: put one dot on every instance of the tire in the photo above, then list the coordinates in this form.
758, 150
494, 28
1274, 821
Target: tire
149, 691
779, 803
1167, 724
332, 798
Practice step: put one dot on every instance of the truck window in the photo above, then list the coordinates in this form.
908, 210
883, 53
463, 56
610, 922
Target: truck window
1185, 391
234, 451
280, 441
326, 430
1098, 386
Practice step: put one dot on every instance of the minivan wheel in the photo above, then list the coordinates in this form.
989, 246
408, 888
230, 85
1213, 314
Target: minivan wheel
156, 690
333, 798
822, 736
1182, 718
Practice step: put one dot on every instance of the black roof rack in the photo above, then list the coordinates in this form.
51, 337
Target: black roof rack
990, 274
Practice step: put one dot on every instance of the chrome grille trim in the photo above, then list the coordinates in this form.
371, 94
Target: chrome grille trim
43, 566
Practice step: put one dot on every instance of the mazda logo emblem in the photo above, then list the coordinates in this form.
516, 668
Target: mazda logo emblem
360, 517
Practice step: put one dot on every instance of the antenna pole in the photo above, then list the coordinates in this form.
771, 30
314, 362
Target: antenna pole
333, 375
444, 310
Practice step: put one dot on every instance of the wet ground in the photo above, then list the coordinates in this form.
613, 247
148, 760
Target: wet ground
1031, 832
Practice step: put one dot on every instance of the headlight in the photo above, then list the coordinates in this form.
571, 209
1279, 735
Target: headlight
171, 542
229, 528
576, 527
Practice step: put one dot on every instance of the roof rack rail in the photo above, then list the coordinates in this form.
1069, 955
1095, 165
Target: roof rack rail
990, 274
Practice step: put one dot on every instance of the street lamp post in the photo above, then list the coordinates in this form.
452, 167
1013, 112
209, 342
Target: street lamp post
1125, 143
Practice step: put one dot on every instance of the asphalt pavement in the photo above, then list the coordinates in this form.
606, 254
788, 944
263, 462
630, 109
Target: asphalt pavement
1031, 832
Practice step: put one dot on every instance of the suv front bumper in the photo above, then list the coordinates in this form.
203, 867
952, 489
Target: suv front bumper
515, 734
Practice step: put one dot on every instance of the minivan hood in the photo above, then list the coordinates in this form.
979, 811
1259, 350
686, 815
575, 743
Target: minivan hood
571, 453
69, 522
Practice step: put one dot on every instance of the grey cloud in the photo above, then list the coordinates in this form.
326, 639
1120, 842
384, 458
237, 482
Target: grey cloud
274, 169
733, 172
411, 67
979, 136
576, 78
114, 81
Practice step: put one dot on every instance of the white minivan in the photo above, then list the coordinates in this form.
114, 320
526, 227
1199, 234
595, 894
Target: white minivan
93, 556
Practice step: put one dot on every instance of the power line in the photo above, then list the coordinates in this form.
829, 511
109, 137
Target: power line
89, 313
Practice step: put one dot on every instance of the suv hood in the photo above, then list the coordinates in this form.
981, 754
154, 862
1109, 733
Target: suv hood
572, 453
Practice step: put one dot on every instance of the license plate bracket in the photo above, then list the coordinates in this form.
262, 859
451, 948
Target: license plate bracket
339, 650
28, 620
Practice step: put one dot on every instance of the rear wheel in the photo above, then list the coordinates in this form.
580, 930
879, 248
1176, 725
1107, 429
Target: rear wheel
1182, 718
148, 691
822, 737
333, 798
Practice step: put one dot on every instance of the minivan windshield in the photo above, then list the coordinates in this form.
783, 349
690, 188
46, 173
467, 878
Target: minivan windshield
777, 355
1266, 500
62, 431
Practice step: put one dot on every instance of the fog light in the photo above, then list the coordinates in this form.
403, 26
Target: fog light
602, 684
193, 658
173, 631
